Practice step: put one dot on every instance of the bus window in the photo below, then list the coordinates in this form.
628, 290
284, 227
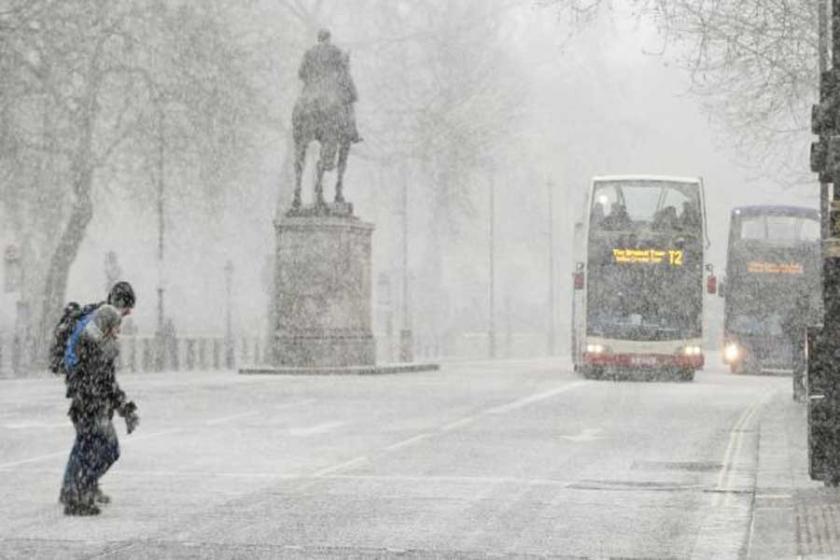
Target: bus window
810, 230
779, 229
639, 203
753, 228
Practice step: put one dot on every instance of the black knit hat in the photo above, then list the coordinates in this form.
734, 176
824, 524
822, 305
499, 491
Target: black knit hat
122, 295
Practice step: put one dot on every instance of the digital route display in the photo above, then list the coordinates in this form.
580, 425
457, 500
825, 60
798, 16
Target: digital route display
672, 257
765, 267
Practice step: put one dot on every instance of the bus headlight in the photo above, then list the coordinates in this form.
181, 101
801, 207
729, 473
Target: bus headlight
731, 352
692, 351
595, 348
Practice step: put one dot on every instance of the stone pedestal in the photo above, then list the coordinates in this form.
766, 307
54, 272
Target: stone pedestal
323, 292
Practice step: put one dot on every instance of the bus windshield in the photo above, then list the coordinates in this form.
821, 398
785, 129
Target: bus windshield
638, 204
778, 229
645, 260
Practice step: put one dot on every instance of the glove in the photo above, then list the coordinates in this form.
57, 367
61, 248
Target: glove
131, 422
129, 412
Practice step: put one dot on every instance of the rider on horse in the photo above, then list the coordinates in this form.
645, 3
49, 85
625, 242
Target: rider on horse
325, 73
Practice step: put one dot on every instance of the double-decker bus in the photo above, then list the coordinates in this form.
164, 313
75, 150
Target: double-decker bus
638, 280
773, 286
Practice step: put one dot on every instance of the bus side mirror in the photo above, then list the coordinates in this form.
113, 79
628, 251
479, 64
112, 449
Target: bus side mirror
711, 280
711, 284
577, 276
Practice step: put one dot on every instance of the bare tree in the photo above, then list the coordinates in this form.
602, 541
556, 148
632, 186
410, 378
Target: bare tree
753, 63
80, 80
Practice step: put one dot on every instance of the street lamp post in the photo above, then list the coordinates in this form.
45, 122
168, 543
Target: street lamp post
406, 342
492, 325
160, 341
229, 357
552, 335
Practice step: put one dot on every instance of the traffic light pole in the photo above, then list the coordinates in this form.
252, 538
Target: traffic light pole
823, 343
822, 18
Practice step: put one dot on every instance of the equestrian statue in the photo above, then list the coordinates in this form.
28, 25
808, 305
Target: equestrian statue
324, 112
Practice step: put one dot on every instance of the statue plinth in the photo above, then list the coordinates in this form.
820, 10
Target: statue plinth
334, 209
323, 289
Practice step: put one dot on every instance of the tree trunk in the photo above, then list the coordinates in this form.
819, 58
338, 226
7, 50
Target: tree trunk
62, 259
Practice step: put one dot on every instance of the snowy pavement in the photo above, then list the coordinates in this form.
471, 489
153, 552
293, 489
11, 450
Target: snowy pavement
477, 460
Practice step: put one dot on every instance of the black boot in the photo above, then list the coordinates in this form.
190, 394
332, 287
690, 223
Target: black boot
81, 508
100, 497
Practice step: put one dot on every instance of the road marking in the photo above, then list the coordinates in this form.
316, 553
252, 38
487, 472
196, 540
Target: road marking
726, 526
409, 441
588, 434
733, 450
347, 464
224, 419
37, 459
34, 425
525, 401
457, 424
315, 430
457, 479
294, 403
501, 409
131, 439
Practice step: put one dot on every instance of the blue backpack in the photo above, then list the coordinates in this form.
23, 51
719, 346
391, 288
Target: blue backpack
63, 357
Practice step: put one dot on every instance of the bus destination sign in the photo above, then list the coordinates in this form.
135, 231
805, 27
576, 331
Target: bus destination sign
765, 267
673, 257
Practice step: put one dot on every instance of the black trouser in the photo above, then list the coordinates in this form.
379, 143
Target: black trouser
95, 449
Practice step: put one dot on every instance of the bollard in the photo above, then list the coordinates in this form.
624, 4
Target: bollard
202, 353
190, 354
217, 353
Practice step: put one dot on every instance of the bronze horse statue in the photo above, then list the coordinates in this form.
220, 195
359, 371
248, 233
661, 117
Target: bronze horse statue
324, 117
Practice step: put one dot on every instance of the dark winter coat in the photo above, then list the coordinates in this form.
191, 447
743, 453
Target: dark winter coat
92, 384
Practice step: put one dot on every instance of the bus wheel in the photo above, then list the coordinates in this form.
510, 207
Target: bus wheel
592, 372
686, 374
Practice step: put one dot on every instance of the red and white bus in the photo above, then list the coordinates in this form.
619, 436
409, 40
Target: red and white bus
639, 286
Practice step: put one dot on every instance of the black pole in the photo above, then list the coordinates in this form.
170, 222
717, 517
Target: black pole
823, 66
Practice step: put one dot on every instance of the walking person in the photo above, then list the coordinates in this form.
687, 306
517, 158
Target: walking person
90, 364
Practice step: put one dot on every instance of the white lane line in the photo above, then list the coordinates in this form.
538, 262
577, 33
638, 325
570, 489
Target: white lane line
222, 474
726, 525
456, 479
458, 424
525, 401
294, 403
128, 440
409, 441
587, 435
224, 419
37, 459
501, 409
725, 482
345, 465
34, 425
315, 430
